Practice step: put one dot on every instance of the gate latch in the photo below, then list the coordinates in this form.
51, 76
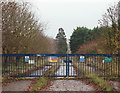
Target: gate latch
69, 61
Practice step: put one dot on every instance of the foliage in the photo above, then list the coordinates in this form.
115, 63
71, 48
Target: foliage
21, 32
94, 77
110, 24
101, 82
82, 36
43, 81
88, 48
106, 38
61, 42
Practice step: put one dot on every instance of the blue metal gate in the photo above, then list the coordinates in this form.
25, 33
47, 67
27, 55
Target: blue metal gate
60, 65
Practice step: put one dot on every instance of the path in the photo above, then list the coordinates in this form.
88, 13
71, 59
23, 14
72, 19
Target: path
21, 85
40, 71
68, 85
62, 70
115, 85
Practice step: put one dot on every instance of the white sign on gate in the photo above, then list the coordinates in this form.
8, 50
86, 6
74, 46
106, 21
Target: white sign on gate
82, 58
26, 58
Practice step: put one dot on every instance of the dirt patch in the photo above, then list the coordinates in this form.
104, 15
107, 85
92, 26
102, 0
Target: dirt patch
91, 83
115, 85
21, 85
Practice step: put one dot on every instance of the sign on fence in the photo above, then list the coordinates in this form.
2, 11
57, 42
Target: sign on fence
53, 59
26, 58
107, 59
82, 58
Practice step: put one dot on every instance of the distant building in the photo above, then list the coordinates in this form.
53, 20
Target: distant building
68, 47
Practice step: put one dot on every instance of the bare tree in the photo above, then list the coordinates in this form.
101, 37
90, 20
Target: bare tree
111, 32
21, 32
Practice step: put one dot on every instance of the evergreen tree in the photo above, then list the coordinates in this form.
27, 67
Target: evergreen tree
82, 36
79, 37
61, 42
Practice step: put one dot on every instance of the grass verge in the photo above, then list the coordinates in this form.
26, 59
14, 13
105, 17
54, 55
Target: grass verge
101, 82
43, 81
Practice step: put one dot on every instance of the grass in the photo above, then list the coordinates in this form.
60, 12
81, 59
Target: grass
43, 81
101, 82
40, 83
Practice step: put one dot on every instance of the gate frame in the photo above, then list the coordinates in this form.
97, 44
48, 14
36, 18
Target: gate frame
59, 55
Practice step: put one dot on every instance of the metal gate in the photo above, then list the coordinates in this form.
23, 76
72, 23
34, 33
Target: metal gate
60, 65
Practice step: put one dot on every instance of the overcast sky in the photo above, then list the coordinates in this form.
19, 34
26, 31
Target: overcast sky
69, 14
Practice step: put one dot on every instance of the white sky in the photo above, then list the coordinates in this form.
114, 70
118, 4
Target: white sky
69, 14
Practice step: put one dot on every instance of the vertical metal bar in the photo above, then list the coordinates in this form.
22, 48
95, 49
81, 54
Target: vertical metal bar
8, 60
39, 62
118, 63
42, 63
72, 71
17, 65
3, 65
90, 62
11, 64
97, 63
37, 65
66, 66
78, 64
22, 65
50, 67
115, 65
85, 64
7, 65
112, 63
61, 66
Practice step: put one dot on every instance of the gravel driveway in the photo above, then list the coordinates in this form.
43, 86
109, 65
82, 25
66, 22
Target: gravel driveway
68, 85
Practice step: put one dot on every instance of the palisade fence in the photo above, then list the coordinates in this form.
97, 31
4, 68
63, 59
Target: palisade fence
60, 65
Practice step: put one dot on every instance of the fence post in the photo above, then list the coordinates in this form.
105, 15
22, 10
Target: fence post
67, 65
